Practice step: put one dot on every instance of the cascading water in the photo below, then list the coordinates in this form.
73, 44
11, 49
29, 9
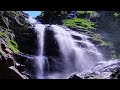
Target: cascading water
77, 55
40, 28
40, 59
82, 58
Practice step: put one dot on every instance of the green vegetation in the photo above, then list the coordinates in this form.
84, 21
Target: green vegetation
11, 43
13, 46
2, 34
90, 13
98, 37
106, 43
69, 18
79, 23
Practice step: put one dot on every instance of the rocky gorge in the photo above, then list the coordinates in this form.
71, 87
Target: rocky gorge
18, 48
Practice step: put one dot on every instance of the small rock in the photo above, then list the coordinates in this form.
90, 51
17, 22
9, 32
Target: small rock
74, 77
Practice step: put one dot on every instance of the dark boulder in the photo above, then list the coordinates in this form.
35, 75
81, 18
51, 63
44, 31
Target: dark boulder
74, 77
116, 74
51, 45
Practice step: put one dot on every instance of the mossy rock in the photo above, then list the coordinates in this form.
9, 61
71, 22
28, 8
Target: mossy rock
2, 33
98, 38
4, 36
13, 46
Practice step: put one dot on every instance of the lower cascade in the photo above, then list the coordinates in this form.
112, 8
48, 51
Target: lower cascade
76, 52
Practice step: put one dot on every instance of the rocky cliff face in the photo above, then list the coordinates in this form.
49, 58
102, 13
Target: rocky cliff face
17, 38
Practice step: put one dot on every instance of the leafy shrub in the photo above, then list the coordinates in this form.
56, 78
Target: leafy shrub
79, 23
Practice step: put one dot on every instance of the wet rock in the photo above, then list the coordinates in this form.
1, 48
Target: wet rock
3, 46
7, 50
116, 74
51, 45
22, 58
96, 42
77, 37
102, 70
74, 77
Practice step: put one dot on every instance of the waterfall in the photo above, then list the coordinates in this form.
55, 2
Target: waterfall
75, 57
39, 28
77, 53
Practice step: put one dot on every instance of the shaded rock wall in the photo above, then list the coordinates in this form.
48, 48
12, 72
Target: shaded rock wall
16, 36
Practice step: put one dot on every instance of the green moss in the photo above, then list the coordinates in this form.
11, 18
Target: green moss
3, 34
11, 43
86, 12
106, 43
79, 23
13, 46
98, 37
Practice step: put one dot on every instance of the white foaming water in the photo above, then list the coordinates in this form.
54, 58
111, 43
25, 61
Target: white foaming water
40, 28
74, 57
82, 58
